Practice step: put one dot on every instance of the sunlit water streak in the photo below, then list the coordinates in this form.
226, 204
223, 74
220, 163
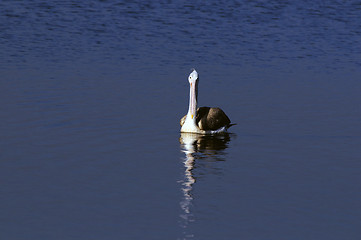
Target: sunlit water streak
187, 143
198, 149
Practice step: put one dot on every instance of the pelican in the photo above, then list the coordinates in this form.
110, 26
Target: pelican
204, 120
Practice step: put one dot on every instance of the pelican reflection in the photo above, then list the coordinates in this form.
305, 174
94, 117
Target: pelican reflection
199, 150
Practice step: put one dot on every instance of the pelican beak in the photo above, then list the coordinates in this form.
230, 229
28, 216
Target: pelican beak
193, 100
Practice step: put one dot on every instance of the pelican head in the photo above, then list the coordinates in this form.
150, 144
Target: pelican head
193, 77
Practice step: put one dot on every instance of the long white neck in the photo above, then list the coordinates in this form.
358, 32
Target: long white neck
193, 100
190, 124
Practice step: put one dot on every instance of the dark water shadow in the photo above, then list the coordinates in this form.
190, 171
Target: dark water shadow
200, 152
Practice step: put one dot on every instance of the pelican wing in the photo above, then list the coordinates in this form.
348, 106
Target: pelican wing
211, 118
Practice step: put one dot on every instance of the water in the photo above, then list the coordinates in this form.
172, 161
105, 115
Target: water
92, 92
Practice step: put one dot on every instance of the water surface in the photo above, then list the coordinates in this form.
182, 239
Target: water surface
92, 93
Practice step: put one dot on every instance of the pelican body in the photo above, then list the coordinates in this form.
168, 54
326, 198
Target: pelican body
204, 120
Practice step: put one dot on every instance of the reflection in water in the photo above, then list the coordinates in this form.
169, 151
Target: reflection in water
197, 147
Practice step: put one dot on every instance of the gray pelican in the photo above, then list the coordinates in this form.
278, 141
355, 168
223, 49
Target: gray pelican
204, 120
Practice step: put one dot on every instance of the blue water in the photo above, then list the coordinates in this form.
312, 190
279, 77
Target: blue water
92, 93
